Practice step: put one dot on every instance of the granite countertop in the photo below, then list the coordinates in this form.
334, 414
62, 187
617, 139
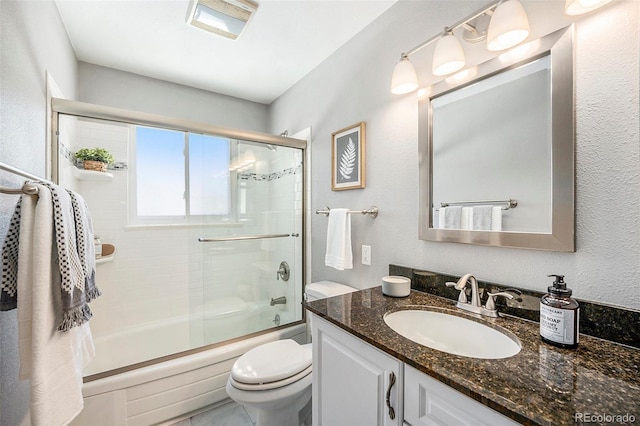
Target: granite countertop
540, 385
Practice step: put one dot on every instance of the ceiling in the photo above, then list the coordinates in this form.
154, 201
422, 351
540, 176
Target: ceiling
282, 43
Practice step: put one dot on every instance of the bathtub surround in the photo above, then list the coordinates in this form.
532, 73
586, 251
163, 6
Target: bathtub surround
607, 322
154, 394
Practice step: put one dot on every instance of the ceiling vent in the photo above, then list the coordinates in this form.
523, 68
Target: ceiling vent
226, 18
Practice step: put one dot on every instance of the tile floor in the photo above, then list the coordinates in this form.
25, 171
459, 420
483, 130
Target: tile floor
228, 414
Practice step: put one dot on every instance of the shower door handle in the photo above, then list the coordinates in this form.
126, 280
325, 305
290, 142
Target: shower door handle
248, 237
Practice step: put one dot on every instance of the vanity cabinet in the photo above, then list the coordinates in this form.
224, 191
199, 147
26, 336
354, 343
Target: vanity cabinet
430, 402
351, 380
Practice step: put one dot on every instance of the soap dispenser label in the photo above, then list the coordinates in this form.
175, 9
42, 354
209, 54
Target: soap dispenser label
558, 325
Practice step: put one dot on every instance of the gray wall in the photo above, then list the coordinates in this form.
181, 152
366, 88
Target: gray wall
107, 86
33, 42
353, 85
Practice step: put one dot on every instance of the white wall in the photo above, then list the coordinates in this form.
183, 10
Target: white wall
33, 42
353, 85
111, 87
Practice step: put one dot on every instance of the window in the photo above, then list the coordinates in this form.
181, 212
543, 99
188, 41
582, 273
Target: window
178, 175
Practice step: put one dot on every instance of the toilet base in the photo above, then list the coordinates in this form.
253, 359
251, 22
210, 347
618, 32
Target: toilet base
286, 406
288, 417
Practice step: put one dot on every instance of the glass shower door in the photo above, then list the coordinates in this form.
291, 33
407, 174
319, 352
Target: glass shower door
251, 277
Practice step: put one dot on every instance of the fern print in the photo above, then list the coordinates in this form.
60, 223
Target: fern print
348, 160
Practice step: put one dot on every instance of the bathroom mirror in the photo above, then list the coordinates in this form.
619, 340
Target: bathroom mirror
496, 149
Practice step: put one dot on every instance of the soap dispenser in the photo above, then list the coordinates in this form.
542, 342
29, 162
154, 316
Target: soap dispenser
559, 315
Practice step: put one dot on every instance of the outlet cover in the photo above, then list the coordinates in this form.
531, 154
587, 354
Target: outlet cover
366, 255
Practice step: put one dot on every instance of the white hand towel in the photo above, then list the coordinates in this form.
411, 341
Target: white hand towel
452, 217
496, 218
339, 254
481, 218
465, 220
51, 359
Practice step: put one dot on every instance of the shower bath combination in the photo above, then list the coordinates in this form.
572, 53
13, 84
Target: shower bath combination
207, 224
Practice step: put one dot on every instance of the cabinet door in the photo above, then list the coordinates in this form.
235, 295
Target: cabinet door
430, 402
351, 380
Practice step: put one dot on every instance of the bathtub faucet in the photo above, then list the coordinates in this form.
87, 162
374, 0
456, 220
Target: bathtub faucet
278, 301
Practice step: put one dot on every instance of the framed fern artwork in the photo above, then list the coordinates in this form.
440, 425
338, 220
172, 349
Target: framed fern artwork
348, 158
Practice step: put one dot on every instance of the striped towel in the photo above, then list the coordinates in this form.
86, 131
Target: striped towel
75, 257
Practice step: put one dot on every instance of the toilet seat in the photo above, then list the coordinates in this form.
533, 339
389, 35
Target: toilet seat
271, 365
271, 385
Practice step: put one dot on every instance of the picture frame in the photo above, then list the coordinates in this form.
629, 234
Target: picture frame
348, 158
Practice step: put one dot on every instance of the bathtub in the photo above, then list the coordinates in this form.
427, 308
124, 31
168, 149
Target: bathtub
166, 390
223, 320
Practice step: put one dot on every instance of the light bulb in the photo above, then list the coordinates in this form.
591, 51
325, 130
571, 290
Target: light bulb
404, 79
448, 56
508, 27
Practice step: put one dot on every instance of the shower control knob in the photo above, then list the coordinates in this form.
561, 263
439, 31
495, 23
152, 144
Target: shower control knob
283, 272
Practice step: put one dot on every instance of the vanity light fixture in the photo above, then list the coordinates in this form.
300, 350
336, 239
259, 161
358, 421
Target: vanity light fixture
226, 18
579, 7
448, 56
508, 26
404, 78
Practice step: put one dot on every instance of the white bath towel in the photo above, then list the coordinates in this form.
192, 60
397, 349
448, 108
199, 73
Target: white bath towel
51, 359
481, 218
465, 218
452, 216
496, 218
339, 254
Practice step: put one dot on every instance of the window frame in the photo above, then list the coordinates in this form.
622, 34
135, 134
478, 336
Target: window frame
135, 220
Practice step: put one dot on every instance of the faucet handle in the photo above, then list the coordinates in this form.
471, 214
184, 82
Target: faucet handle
462, 298
491, 302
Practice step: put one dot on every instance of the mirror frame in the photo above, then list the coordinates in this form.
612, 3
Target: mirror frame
559, 46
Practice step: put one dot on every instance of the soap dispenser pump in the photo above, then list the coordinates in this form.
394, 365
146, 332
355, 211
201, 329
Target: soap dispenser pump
559, 315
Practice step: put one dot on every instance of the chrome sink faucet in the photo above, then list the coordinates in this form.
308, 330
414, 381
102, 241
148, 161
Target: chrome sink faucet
475, 305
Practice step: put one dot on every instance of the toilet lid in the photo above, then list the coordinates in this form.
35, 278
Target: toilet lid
271, 362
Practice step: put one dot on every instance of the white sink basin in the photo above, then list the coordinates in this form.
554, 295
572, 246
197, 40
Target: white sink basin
453, 334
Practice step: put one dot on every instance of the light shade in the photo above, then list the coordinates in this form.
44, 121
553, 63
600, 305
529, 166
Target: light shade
448, 56
404, 79
509, 26
578, 7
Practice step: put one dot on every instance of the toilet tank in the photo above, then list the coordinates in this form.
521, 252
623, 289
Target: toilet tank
324, 289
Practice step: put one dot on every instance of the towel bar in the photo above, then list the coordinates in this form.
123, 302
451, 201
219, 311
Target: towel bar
372, 211
27, 188
510, 203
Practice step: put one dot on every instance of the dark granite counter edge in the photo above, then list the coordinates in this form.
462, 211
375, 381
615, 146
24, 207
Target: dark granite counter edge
599, 320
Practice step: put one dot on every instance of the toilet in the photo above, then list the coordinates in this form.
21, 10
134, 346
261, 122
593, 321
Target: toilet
275, 378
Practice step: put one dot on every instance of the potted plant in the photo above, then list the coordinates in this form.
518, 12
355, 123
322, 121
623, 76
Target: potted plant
95, 158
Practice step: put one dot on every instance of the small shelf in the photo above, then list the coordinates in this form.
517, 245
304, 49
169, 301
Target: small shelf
108, 253
104, 259
82, 174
